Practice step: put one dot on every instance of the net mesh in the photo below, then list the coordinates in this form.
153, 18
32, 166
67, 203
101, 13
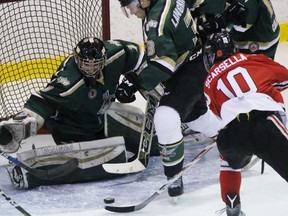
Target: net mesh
35, 36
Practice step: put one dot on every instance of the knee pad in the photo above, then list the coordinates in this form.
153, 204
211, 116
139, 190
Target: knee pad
167, 125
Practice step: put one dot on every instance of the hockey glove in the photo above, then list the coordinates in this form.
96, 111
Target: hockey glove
15, 130
213, 25
237, 14
7, 143
125, 92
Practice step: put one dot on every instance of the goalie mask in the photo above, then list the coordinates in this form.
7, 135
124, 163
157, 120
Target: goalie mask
90, 56
218, 46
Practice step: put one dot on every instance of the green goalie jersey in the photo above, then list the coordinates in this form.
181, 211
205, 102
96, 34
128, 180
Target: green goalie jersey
74, 102
167, 24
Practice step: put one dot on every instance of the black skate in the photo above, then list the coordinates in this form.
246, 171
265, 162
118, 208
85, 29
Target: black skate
233, 206
177, 188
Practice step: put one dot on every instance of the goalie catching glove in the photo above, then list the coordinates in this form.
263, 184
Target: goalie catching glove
13, 131
125, 92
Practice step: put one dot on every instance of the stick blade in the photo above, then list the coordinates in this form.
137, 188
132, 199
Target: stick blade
131, 208
63, 169
124, 168
120, 209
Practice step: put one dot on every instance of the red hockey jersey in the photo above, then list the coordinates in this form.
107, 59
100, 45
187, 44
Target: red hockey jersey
243, 83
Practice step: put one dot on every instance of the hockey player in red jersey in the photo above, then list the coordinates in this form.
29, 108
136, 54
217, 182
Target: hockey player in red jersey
244, 90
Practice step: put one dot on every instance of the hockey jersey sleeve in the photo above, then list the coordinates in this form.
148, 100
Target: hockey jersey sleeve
167, 26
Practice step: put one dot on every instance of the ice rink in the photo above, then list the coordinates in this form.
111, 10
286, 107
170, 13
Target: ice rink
261, 195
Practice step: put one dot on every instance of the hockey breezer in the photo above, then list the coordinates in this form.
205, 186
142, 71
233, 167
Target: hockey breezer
132, 208
141, 161
49, 174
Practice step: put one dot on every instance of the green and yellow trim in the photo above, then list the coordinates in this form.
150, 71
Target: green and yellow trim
284, 32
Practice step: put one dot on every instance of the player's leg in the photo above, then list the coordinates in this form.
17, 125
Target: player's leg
271, 144
230, 145
182, 92
126, 120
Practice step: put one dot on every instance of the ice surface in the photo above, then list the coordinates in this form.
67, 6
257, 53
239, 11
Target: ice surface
261, 194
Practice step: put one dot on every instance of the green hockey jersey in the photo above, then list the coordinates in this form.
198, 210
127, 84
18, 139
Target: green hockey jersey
76, 104
262, 30
170, 37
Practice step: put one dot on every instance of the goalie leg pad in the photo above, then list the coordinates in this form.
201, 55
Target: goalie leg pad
124, 120
91, 155
128, 116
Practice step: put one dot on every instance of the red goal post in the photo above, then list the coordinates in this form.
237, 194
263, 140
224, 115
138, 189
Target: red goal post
36, 35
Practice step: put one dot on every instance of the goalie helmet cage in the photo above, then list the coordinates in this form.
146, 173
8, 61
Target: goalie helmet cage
36, 36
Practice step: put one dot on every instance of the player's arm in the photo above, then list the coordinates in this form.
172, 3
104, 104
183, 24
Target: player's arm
146, 76
242, 15
27, 122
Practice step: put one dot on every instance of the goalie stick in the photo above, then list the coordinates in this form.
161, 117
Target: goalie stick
132, 208
49, 174
141, 161
14, 204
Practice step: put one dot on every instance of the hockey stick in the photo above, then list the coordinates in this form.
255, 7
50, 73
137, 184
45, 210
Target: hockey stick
49, 174
14, 204
141, 161
132, 208
251, 164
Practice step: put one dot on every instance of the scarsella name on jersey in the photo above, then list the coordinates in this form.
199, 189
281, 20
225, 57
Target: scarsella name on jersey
221, 67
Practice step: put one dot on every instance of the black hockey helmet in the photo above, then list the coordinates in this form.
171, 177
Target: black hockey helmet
90, 56
124, 3
218, 46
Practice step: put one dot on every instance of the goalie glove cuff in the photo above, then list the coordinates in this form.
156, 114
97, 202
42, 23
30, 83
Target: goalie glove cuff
16, 129
24, 126
7, 143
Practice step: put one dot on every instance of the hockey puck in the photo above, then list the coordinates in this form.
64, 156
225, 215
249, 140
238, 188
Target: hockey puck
109, 200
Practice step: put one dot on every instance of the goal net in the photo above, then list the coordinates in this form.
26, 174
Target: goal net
36, 35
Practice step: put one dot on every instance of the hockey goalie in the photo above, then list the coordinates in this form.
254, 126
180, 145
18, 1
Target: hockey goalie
78, 108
